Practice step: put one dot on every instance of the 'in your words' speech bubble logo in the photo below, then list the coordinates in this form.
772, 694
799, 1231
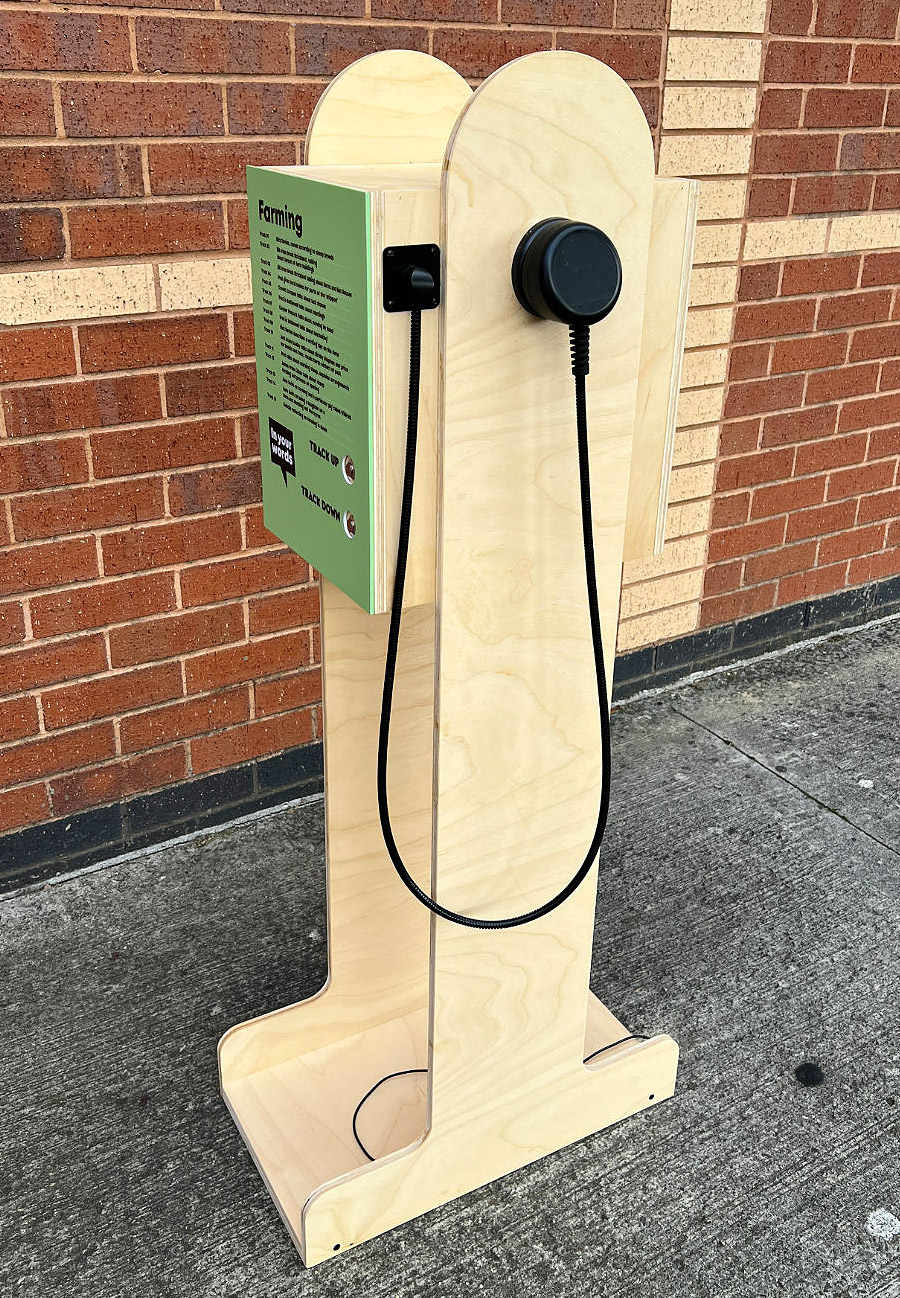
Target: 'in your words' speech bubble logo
281, 448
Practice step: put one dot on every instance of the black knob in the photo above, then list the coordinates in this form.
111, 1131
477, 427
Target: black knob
567, 271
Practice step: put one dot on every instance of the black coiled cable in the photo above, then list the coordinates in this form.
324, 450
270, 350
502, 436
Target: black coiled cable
579, 336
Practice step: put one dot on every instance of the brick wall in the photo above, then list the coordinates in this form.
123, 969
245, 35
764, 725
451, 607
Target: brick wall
152, 631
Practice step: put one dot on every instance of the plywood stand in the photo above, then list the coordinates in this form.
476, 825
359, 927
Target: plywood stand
495, 759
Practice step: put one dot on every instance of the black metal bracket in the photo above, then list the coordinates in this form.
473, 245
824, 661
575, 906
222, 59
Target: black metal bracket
411, 276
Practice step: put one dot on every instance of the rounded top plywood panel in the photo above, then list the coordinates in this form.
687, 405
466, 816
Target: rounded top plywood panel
395, 106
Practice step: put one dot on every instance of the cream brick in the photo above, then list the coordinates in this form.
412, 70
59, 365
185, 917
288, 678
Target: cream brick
713, 58
683, 520
717, 243
713, 284
691, 483
870, 230
795, 237
649, 596
80, 293
718, 16
677, 556
708, 327
705, 155
697, 444
223, 281
656, 627
721, 199
697, 108
704, 367
699, 406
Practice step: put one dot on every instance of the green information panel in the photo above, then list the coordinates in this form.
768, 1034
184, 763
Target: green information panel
310, 255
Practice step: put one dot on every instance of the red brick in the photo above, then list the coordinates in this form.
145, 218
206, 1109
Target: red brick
476, 53
93, 403
109, 696
875, 18
116, 780
175, 634
270, 657
33, 41
134, 344
815, 351
845, 309
244, 343
65, 752
742, 603
883, 504
805, 585
750, 362
876, 150
258, 535
18, 718
294, 608
26, 108
36, 354
270, 108
759, 282
884, 442
861, 479
63, 171
163, 446
140, 549
870, 412
223, 387
805, 62
641, 15
69, 659
779, 563
749, 539
648, 98
722, 577
844, 108
878, 64
847, 545
769, 197
136, 108
892, 113
636, 58
287, 692
799, 425
212, 168
773, 393
175, 44
728, 511
84, 509
221, 488
254, 739
248, 426
749, 470
739, 436
767, 320
30, 466
24, 806
785, 497
312, 8
12, 623
185, 719
790, 17
27, 568
874, 566
835, 385
31, 234
820, 521
833, 453
249, 574
238, 226
871, 344
832, 194
819, 275
530, 13
325, 48
80, 607
133, 229
792, 153
887, 191
780, 108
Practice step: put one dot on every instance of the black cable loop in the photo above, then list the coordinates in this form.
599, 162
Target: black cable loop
579, 342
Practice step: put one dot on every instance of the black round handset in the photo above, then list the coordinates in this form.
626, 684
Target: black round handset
567, 271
